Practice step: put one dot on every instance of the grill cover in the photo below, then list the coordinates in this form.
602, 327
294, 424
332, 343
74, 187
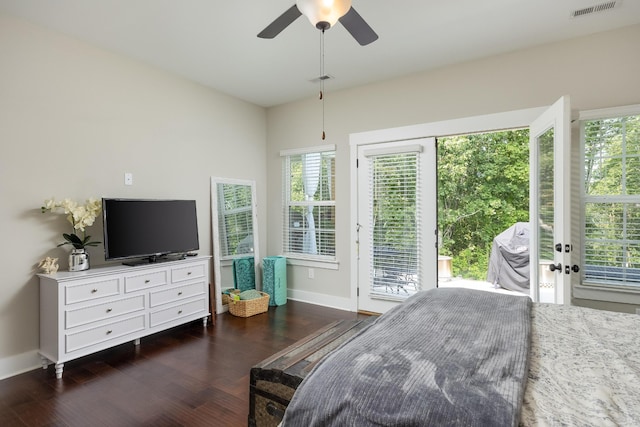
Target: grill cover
509, 259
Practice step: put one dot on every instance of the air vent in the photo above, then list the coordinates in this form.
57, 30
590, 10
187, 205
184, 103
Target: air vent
322, 78
597, 8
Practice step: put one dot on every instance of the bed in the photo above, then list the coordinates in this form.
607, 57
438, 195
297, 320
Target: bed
464, 357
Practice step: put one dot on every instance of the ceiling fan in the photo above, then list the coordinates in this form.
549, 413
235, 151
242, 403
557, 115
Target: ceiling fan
323, 14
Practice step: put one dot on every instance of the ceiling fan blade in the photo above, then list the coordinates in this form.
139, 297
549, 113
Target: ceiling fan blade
359, 29
281, 22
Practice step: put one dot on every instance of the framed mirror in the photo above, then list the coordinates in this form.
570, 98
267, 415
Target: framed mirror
234, 230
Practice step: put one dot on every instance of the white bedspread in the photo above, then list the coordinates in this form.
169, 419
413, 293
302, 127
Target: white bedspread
584, 368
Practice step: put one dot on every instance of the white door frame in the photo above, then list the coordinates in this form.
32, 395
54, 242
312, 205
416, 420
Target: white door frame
426, 273
558, 118
485, 123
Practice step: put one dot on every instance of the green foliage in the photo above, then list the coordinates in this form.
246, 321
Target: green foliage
483, 188
612, 186
394, 204
612, 153
77, 242
472, 263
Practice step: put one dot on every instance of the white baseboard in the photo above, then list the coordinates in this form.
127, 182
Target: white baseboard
324, 300
18, 364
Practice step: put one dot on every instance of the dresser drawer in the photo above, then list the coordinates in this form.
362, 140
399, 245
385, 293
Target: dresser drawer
176, 312
176, 294
82, 316
91, 290
100, 334
145, 280
180, 274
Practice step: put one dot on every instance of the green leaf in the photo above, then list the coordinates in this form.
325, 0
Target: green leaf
72, 238
86, 242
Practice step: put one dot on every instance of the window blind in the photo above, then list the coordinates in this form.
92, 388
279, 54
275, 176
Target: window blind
394, 221
612, 201
235, 215
309, 205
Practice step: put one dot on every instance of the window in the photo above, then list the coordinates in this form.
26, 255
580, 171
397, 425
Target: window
309, 203
611, 200
395, 218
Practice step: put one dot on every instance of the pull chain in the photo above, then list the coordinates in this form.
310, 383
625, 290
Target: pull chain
321, 96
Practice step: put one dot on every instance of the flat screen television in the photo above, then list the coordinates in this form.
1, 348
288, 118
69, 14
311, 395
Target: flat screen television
150, 230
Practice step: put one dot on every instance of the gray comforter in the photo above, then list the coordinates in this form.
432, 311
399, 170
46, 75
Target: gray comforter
445, 357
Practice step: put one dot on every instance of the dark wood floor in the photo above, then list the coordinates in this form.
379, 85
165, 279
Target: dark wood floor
187, 376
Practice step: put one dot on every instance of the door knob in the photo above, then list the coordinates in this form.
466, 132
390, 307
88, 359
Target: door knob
575, 268
555, 267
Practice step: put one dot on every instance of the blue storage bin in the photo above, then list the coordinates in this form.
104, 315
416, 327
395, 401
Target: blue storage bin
274, 280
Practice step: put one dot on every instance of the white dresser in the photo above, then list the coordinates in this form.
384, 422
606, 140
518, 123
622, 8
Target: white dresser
88, 311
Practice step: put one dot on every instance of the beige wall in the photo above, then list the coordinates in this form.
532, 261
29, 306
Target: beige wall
598, 71
73, 120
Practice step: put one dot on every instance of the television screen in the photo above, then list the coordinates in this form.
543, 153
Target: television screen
135, 228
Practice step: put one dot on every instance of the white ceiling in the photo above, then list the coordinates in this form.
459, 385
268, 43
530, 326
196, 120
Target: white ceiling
214, 42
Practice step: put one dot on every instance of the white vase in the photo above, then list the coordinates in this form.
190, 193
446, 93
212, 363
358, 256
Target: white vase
78, 260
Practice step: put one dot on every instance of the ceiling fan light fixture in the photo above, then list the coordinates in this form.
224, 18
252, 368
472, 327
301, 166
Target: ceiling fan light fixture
323, 12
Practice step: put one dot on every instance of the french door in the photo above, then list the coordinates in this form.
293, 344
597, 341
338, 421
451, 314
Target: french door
550, 205
391, 266
396, 222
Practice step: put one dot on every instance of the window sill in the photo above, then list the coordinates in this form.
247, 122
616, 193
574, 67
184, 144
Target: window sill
304, 262
607, 293
313, 263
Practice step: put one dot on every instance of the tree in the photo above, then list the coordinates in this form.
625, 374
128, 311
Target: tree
612, 188
483, 188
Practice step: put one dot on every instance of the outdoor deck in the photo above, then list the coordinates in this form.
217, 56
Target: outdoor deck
406, 285
546, 294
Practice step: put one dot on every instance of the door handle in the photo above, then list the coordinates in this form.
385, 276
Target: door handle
555, 267
575, 268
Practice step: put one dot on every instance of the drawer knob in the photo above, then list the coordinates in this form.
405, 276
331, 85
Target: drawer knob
180, 293
188, 273
147, 281
179, 311
109, 310
94, 290
109, 331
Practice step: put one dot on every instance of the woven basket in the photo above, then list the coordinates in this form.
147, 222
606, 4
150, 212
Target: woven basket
249, 307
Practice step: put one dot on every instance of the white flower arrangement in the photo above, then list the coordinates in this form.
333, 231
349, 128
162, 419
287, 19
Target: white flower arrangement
80, 217
49, 265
